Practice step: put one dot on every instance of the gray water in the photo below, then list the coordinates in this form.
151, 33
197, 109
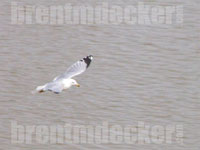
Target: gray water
139, 73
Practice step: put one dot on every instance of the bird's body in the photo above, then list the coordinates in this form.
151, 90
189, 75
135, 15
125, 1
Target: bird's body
67, 83
65, 80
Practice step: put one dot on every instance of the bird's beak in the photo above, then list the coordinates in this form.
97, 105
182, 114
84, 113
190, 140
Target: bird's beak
78, 85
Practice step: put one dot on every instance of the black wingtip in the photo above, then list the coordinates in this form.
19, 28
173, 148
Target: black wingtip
90, 57
88, 60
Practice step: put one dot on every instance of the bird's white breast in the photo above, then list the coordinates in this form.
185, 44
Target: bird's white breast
67, 84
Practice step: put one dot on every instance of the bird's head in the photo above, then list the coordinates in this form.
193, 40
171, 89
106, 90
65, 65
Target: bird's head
73, 82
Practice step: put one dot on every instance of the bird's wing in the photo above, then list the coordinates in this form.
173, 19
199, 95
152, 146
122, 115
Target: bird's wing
76, 69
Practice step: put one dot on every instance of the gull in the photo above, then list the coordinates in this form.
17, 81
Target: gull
65, 81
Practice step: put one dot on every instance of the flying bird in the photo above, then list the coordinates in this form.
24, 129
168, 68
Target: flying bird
65, 81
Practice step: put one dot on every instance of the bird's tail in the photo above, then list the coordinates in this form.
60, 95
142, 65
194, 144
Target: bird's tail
39, 89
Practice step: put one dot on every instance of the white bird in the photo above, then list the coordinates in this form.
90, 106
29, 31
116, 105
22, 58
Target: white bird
65, 81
